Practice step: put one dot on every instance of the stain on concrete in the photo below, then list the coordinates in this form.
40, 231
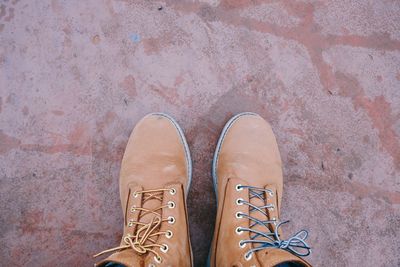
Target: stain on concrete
96, 39
10, 14
2, 10
58, 112
378, 110
7, 142
25, 110
129, 86
134, 37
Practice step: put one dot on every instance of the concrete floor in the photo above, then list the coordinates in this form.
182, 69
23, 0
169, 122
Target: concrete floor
75, 77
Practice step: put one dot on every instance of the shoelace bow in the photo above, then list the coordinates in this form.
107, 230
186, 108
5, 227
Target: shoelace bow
142, 240
295, 244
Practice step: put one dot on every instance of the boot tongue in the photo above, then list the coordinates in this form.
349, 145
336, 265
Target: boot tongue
151, 202
261, 215
256, 214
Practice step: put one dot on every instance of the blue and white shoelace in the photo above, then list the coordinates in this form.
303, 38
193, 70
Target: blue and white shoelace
295, 244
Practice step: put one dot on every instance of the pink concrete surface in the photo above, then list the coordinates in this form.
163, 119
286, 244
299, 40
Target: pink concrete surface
75, 77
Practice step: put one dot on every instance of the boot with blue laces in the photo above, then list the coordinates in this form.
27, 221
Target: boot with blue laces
247, 173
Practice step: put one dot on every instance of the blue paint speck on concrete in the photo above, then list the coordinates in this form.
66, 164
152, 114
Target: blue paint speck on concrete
135, 38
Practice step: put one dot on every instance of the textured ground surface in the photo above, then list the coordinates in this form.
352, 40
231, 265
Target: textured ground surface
75, 77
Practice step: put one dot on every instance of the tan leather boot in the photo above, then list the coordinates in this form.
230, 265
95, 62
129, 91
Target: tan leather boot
154, 182
247, 176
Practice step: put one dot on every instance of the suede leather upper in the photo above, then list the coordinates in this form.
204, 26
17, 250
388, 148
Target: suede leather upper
247, 155
155, 157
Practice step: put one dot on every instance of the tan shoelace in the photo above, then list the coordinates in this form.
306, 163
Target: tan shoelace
142, 241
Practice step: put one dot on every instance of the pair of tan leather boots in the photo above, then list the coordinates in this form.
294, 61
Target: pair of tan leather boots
155, 178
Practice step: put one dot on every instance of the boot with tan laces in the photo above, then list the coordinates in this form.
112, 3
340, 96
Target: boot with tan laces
248, 182
154, 182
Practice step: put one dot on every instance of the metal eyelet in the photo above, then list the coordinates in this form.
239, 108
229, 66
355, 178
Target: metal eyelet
158, 259
171, 204
152, 265
242, 244
248, 256
164, 248
135, 195
133, 208
239, 187
171, 219
130, 224
271, 194
239, 230
272, 207
172, 191
238, 215
239, 201
169, 234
